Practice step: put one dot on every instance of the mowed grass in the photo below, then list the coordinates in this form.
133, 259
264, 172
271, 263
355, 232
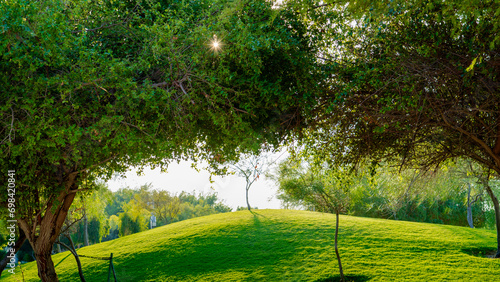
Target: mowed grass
284, 245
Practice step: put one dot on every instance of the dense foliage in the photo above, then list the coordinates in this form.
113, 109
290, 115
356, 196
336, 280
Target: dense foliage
89, 88
418, 82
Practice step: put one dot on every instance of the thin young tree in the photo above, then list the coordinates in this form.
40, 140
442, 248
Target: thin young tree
253, 166
250, 167
314, 184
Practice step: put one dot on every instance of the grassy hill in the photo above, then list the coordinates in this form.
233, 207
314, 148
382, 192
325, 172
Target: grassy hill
283, 245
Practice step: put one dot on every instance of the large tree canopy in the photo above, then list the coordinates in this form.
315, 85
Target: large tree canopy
89, 88
409, 83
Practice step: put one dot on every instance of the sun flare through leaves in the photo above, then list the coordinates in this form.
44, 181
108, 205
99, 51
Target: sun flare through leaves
215, 44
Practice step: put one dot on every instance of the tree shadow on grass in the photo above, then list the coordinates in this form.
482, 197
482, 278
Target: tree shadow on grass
482, 252
349, 278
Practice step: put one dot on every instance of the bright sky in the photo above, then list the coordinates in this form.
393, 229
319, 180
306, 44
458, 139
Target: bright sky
181, 177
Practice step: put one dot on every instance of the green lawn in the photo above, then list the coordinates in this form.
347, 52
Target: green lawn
283, 245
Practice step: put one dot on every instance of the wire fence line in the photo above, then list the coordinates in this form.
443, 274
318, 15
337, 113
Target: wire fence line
100, 258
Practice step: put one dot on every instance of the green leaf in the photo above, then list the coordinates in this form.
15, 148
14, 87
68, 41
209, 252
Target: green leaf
471, 67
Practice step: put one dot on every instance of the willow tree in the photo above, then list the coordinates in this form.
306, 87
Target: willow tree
89, 88
415, 81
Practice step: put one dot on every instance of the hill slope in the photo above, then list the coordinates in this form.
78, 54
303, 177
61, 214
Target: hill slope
282, 245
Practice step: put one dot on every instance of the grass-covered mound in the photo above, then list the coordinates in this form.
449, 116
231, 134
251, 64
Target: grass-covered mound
284, 245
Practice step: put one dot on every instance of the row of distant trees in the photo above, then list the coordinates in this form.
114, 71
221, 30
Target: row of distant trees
129, 211
103, 215
453, 194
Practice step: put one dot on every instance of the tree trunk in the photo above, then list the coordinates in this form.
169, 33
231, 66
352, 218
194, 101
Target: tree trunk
17, 246
248, 204
46, 269
496, 205
469, 209
85, 230
42, 232
342, 278
42, 246
469, 217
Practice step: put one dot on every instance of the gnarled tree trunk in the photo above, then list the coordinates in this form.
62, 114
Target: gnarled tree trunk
42, 232
45, 265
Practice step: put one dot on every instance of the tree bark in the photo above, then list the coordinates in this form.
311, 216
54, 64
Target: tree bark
469, 209
17, 246
342, 278
42, 232
248, 204
85, 230
58, 248
496, 205
46, 269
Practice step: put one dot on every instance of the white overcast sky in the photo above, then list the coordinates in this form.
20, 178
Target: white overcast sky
181, 177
